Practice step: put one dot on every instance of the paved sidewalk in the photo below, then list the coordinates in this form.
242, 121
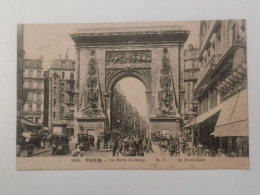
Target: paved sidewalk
35, 151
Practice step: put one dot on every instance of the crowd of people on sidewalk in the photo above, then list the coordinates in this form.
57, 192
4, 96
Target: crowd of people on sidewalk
30, 143
130, 145
203, 150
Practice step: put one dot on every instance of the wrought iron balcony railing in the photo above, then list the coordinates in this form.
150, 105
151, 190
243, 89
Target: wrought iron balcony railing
214, 60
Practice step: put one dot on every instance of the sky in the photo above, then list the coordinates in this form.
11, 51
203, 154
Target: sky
53, 40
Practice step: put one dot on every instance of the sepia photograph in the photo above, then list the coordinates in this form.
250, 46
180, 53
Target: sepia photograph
140, 95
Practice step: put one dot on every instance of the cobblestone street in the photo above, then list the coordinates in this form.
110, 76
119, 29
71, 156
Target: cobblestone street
47, 152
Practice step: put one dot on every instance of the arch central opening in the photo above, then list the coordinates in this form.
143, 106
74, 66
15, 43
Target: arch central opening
129, 107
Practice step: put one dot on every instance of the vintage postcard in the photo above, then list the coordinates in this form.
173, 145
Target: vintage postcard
150, 95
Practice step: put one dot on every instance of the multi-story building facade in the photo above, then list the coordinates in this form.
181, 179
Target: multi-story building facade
33, 85
20, 94
59, 97
221, 89
191, 69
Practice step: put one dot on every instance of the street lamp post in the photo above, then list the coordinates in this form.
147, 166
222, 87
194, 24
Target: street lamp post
179, 131
105, 133
193, 116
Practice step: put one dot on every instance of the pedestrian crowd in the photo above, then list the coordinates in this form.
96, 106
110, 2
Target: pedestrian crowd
34, 142
130, 145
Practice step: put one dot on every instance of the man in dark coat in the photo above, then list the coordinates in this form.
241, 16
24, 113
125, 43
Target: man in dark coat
149, 146
98, 142
30, 147
172, 148
120, 146
114, 147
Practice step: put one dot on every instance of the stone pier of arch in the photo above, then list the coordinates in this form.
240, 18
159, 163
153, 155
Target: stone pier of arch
129, 53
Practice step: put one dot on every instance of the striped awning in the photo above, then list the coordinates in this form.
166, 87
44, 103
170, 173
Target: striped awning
233, 118
238, 129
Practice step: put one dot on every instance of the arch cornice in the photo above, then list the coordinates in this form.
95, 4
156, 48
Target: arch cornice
113, 75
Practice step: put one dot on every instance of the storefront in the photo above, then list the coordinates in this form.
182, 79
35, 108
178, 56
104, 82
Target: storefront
225, 126
27, 125
232, 125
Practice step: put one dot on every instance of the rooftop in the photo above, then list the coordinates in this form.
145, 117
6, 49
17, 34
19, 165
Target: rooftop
33, 64
62, 64
130, 35
127, 30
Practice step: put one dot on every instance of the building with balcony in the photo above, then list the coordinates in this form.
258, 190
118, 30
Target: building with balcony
59, 97
33, 87
20, 94
191, 69
221, 88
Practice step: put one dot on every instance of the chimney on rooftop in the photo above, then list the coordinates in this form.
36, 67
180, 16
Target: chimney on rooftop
190, 47
67, 54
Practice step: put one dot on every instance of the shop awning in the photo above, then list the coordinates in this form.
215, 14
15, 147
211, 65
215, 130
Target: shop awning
201, 118
238, 129
29, 123
233, 118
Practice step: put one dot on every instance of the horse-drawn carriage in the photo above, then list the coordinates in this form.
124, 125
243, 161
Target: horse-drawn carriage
61, 145
163, 143
83, 141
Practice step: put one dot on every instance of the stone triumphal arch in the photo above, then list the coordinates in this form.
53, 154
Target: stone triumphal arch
105, 56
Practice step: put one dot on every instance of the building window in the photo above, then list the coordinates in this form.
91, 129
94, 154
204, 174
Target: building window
62, 111
30, 84
39, 74
63, 65
71, 113
63, 75
38, 96
62, 86
30, 73
30, 107
37, 120
38, 107
55, 90
62, 97
195, 75
54, 115
54, 102
27, 63
71, 98
195, 64
71, 86
30, 97
71, 76
38, 84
